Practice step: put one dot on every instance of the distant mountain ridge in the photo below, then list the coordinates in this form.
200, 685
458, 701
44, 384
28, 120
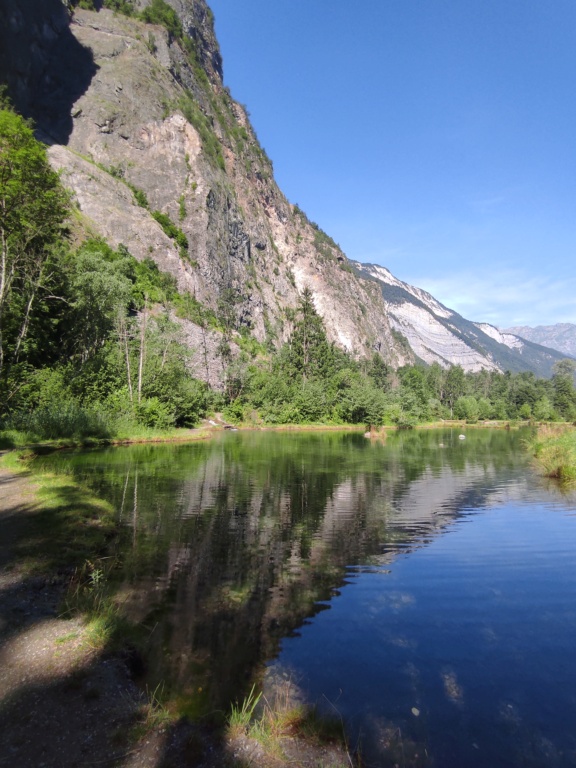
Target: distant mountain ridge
561, 336
436, 333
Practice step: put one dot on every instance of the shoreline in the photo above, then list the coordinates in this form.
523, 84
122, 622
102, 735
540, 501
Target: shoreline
206, 432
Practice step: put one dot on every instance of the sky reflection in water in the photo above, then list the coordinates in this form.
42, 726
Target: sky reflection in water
423, 587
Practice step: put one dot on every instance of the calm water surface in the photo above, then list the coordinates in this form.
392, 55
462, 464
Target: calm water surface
423, 587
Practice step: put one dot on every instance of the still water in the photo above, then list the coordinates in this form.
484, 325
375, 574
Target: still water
422, 587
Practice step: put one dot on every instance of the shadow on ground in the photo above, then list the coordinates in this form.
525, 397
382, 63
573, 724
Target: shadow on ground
62, 702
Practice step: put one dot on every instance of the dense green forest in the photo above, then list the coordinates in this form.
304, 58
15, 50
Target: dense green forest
90, 343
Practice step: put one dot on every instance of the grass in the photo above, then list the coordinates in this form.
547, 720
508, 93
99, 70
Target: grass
241, 714
554, 448
21, 444
285, 718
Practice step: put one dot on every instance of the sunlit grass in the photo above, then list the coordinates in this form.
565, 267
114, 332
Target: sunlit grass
127, 432
241, 714
270, 724
554, 448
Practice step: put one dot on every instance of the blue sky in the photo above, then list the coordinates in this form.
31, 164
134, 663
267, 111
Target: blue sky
434, 137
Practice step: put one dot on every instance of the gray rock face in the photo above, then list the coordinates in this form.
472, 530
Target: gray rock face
45, 67
438, 334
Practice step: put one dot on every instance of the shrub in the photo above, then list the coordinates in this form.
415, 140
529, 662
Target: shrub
60, 420
151, 412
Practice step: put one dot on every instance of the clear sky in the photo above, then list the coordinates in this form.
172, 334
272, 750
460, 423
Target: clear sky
434, 137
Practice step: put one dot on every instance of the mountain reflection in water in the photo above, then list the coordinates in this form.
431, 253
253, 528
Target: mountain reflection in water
233, 546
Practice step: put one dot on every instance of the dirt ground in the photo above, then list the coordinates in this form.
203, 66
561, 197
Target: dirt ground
64, 703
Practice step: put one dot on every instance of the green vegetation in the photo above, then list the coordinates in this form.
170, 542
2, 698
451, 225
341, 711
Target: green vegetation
241, 714
89, 348
286, 717
308, 380
159, 12
125, 7
192, 112
172, 231
554, 448
87, 345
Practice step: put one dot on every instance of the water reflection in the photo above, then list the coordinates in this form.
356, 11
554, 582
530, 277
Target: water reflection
234, 543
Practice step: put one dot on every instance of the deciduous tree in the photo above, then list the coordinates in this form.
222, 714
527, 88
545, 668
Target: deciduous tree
33, 206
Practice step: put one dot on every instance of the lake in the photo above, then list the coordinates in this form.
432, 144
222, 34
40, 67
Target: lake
422, 587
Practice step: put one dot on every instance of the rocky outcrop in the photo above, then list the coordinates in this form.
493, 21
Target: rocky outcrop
153, 118
43, 64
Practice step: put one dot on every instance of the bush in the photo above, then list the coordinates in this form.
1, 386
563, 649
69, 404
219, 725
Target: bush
60, 420
151, 412
467, 408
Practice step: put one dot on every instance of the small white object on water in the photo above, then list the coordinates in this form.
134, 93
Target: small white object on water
415, 711
462, 437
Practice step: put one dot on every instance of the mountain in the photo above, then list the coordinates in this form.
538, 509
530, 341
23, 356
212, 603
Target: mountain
561, 336
137, 113
160, 158
438, 334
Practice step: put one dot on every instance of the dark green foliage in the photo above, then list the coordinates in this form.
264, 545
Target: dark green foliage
309, 353
139, 196
159, 12
73, 344
152, 285
564, 396
173, 232
33, 206
182, 207
125, 7
210, 142
189, 308
60, 420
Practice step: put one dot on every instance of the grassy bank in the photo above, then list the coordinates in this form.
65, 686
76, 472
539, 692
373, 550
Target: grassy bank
554, 448
20, 440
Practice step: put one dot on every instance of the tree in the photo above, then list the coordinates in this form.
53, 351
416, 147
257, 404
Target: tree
466, 407
33, 206
379, 371
564, 391
310, 353
455, 386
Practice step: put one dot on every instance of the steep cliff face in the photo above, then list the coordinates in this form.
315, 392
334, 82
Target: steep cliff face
147, 112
